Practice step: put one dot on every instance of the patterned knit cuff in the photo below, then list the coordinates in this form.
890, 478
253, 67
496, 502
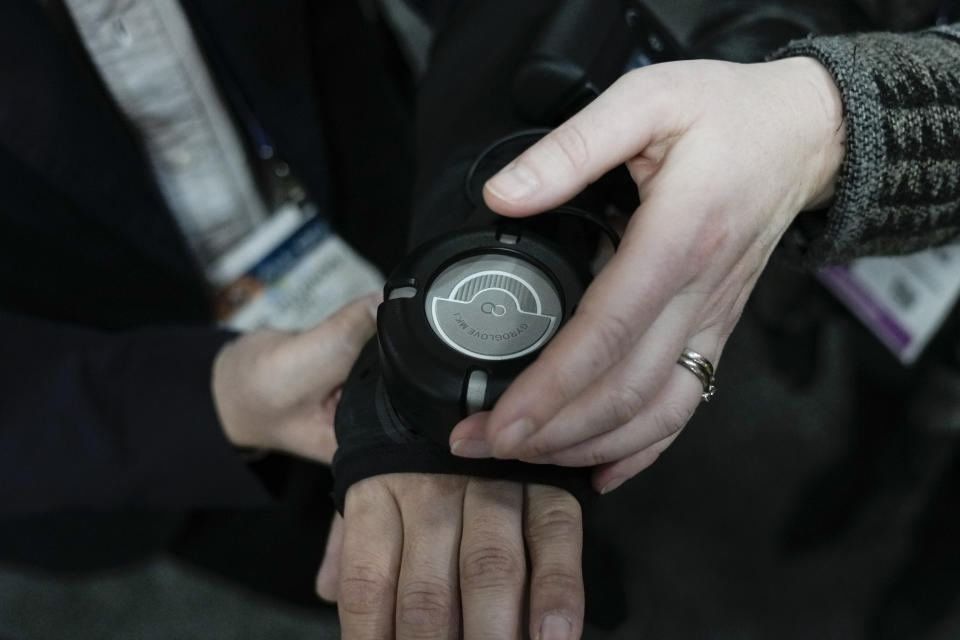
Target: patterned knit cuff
899, 186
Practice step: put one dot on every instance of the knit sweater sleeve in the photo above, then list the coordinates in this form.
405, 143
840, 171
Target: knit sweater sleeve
898, 190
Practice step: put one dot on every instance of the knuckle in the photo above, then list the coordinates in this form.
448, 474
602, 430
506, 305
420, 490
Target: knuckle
432, 499
425, 608
489, 565
352, 329
561, 584
364, 588
624, 402
562, 383
365, 498
612, 333
559, 518
557, 381
534, 449
597, 457
670, 419
570, 144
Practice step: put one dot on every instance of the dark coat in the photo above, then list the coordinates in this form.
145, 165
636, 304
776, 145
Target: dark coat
105, 345
106, 348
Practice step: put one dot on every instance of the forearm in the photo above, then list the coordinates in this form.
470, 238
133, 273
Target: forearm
898, 188
95, 420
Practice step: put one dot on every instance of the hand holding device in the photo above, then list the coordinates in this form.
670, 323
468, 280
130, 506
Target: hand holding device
278, 390
724, 157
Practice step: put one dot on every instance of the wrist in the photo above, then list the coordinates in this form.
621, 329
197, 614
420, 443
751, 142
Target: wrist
823, 106
222, 387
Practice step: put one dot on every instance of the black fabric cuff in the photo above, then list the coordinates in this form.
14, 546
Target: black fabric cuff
372, 440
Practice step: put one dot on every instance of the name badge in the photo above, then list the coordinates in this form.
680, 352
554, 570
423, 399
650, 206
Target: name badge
903, 300
290, 274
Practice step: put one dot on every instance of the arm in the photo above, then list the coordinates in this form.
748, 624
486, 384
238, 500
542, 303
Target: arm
148, 418
90, 419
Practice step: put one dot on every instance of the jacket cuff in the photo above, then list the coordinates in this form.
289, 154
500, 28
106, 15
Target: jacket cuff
183, 455
898, 189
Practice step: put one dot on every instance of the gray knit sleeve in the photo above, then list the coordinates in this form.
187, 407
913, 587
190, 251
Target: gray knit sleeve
899, 186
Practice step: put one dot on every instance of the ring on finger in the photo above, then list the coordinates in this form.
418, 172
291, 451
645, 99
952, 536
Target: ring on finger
701, 367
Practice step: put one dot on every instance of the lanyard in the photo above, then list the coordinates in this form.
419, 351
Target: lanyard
278, 182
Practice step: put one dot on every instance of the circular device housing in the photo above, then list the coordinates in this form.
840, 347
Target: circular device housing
464, 314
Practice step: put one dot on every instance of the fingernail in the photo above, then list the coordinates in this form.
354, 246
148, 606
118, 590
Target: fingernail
514, 182
555, 627
469, 448
612, 485
513, 436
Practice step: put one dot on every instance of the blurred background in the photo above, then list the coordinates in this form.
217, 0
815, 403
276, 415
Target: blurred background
815, 497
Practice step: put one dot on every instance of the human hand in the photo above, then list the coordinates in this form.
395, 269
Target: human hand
424, 556
724, 157
278, 390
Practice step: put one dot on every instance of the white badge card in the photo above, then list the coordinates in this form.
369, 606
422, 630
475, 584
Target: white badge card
903, 300
290, 274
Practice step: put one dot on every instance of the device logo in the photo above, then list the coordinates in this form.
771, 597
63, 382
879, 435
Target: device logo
493, 309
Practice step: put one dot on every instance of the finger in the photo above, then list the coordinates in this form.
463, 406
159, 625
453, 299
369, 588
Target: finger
667, 415
492, 562
610, 477
329, 350
615, 127
622, 412
370, 563
654, 263
553, 528
329, 574
428, 602
620, 393
469, 438
652, 418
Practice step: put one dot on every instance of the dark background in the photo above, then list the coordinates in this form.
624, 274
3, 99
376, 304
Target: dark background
810, 499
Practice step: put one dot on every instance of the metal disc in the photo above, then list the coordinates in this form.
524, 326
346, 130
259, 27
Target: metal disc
493, 307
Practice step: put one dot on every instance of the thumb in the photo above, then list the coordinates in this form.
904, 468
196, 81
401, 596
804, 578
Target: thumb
616, 126
331, 348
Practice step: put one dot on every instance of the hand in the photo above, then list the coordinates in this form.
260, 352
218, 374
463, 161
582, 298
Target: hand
421, 554
278, 390
724, 156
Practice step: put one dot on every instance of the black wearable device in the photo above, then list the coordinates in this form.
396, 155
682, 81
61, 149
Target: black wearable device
462, 316
466, 313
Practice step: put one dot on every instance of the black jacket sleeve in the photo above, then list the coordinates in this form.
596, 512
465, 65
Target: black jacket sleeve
100, 420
